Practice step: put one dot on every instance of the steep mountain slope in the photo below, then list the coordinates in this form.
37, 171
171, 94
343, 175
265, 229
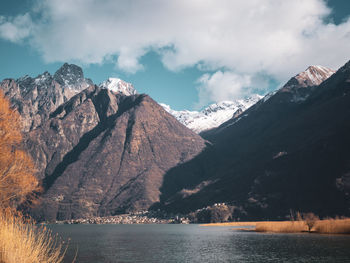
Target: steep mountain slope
213, 115
101, 152
289, 151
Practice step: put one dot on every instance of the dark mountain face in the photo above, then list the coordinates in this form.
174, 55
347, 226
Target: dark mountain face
100, 152
291, 151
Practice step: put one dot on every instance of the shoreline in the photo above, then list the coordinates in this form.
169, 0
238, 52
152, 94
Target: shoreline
126, 219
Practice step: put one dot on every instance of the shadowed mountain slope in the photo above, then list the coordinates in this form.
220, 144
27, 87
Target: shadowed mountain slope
289, 151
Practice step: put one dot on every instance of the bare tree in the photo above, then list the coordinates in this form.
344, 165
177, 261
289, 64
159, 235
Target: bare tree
310, 220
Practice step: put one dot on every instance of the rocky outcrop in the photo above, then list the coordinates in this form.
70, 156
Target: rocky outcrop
36, 98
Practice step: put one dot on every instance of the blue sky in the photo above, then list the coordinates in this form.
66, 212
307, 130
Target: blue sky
183, 53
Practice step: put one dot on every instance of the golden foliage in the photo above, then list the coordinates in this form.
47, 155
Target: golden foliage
17, 178
22, 241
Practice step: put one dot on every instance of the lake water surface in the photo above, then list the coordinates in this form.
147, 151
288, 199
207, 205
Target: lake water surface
194, 243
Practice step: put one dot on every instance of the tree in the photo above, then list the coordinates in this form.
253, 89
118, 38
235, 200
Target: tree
310, 220
17, 170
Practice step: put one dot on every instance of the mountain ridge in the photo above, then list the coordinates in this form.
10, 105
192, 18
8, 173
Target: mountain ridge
213, 115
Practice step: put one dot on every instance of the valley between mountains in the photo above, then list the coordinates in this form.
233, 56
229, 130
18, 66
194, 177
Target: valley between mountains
104, 150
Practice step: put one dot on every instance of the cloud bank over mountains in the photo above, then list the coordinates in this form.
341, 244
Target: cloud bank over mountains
235, 40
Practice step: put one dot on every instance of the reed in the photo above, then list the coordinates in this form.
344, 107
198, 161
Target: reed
282, 226
22, 241
325, 226
333, 226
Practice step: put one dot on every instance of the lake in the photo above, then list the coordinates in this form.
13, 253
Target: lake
194, 243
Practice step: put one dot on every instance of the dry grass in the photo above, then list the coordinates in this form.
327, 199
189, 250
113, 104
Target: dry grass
22, 241
326, 226
282, 226
333, 226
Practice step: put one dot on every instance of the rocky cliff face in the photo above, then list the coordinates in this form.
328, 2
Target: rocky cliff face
98, 152
36, 98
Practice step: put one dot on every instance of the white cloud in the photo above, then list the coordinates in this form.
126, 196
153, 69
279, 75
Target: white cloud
276, 37
15, 29
228, 85
222, 86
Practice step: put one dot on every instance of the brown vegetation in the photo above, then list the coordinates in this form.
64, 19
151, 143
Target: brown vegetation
327, 226
17, 178
310, 220
20, 240
281, 226
333, 226
302, 223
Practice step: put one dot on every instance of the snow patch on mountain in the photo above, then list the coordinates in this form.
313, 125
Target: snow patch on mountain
118, 85
213, 115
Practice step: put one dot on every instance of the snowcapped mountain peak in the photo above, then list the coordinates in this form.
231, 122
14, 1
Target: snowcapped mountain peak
118, 85
316, 74
301, 85
213, 115
312, 76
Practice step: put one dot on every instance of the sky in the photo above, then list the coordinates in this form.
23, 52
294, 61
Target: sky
185, 53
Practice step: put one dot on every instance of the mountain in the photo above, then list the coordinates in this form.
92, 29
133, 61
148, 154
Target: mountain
213, 115
295, 91
97, 151
118, 85
35, 98
290, 151
104, 150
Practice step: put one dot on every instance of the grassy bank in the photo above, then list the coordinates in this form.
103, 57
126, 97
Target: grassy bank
22, 241
326, 226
